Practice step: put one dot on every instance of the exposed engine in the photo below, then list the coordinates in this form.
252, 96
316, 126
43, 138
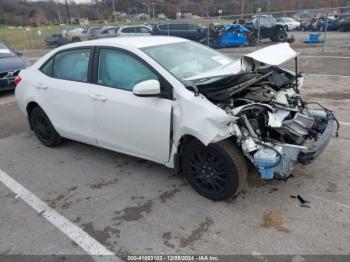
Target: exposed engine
274, 125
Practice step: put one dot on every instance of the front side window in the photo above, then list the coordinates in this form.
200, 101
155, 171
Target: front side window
178, 27
193, 27
163, 27
120, 70
129, 30
72, 65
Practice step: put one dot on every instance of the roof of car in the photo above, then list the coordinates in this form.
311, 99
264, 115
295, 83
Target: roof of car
135, 41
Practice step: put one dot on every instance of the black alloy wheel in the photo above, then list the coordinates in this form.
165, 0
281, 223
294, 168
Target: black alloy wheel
43, 128
217, 171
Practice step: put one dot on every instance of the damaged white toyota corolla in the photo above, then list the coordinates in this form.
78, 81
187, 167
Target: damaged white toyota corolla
176, 102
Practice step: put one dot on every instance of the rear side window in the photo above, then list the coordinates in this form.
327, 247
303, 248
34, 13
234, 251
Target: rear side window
143, 30
72, 65
121, 70
47, 68
129, 30
178, 26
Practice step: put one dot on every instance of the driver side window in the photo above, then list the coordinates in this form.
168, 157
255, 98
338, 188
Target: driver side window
120, 70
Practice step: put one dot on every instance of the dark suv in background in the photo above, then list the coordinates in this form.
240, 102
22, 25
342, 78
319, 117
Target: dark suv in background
343, 24
188, 30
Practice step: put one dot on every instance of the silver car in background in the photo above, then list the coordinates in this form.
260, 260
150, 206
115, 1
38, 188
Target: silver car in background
135, 30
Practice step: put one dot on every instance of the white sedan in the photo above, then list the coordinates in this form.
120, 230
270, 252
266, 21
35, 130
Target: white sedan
289, 23
178, 103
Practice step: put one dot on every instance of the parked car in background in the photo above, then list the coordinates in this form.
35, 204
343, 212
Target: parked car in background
104, 32
134, 30
344, 23
81, 34
11, 63
188, 30
72, 34
55, 40
268, 27
289, 23
320, 24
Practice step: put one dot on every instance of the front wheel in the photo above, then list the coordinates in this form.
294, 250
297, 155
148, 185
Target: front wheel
217, 171
281, 36
43, 128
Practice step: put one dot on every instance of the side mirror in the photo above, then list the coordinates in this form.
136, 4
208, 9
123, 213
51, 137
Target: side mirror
147, 88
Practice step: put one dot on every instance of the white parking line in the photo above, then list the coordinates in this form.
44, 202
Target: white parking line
311, 74
344, 123
331, 201
83, 239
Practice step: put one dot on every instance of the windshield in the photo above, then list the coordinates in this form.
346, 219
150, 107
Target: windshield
187, 59
5, 51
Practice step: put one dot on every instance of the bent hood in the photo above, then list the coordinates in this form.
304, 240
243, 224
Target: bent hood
274, 55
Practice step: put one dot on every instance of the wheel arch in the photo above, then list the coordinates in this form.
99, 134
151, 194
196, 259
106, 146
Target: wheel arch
182, 142
29, 108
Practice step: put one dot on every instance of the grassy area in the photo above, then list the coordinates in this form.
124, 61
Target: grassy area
28, 37
34, 37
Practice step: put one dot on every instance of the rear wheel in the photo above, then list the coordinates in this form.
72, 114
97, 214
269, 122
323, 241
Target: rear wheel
43, 128
217, 171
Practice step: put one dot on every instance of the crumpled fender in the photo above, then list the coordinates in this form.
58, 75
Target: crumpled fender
200, 118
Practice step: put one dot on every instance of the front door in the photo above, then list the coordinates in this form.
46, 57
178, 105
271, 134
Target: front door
134, 125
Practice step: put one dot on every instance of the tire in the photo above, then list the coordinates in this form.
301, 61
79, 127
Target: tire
76, 39
217, 171
341, 29
281, 36
43, 128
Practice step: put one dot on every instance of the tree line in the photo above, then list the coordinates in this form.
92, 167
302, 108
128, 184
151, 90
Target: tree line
23, 12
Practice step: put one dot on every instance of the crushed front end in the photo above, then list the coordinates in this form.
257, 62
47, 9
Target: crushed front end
275, 128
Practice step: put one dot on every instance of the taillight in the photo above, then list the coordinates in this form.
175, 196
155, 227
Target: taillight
18, 79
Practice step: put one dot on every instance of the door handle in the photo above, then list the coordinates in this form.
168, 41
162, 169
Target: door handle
98, 98
41, 86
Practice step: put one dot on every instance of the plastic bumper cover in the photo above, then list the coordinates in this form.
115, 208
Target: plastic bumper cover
306, 156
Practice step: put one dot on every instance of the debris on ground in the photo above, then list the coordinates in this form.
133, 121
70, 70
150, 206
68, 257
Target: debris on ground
303, 202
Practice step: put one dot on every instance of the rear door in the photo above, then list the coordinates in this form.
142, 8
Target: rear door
124, 122
64, 93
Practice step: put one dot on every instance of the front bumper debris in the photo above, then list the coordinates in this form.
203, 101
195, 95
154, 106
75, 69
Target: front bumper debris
308, 155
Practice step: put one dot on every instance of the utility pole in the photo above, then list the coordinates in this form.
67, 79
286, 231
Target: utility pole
242, 9
113, 7
325, 29
67, 9
268, 6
